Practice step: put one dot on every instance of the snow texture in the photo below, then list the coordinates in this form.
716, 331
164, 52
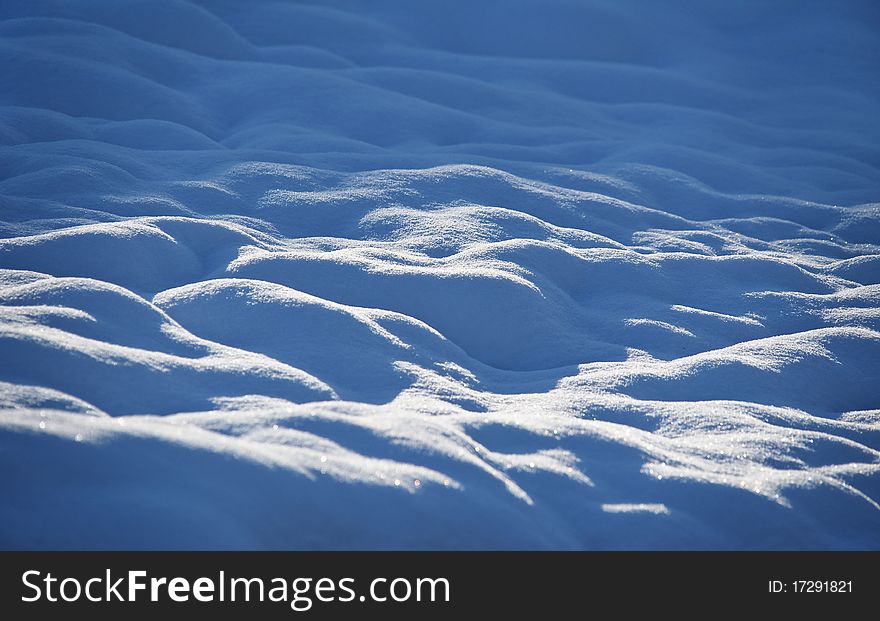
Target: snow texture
459, 274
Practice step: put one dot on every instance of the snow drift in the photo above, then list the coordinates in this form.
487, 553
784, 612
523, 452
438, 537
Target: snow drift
492, 274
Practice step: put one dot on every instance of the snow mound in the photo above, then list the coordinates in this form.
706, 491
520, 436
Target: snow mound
507, 274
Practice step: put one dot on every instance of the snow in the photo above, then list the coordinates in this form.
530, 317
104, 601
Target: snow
497, 274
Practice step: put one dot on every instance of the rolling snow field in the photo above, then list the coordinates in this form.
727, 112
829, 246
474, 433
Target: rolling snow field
523, 274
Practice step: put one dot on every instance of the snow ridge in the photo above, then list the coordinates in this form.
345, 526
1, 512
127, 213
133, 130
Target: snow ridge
290, 275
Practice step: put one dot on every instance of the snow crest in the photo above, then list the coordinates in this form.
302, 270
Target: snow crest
293, 275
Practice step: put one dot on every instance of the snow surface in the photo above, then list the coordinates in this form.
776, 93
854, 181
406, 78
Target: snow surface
496, 274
